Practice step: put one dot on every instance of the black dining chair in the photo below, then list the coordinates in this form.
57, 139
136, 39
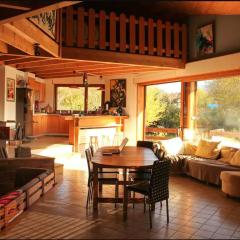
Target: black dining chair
103, 178
155, 190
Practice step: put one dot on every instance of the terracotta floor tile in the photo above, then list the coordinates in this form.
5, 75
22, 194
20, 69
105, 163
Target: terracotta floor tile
197, 210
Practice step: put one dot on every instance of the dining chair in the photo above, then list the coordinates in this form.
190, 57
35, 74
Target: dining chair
103, 178
155, 190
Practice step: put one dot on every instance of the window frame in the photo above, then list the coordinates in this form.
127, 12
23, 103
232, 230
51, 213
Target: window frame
102, 86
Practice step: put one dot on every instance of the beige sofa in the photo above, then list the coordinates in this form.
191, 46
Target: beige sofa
185, 161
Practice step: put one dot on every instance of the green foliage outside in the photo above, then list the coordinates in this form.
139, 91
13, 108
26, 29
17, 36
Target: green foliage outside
162, 109
70, 98
218, 104
94, 98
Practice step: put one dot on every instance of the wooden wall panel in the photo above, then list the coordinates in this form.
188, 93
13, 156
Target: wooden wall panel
176, 39
141, 35
80, 27
168, 39
91, 28
150, 36
184, 43
102, 28
112, 19
122, 20
69, 26
140, 111
159, 38
132, 34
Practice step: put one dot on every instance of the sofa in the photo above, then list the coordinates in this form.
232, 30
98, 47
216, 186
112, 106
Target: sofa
187, 158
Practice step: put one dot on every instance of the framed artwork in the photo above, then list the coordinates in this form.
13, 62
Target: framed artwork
11, 90
118, 92
46, 21
205, 40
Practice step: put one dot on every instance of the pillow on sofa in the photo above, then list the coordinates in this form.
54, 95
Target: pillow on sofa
235, 160
207, 149
172, 146
227, 153
189, 149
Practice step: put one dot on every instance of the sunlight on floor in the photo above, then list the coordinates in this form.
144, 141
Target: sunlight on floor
63, 154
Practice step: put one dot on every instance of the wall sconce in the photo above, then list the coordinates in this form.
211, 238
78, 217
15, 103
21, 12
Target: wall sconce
36, 49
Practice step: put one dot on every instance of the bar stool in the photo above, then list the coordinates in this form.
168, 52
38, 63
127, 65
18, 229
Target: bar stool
117, 138
105, 140
93, 141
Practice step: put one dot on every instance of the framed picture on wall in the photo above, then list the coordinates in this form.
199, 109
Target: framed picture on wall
11, 90
118, 92
205, 40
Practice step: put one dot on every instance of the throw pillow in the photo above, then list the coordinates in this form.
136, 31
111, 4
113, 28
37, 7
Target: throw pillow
207, 149
172, 146
189, 149
235, 160
227, 154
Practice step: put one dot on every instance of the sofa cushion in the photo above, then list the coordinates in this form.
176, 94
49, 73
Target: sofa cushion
235, 160
189, 148
227, 153
207, 149
172, 146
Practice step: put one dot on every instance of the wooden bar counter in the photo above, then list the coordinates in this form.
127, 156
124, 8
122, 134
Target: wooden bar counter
76, 123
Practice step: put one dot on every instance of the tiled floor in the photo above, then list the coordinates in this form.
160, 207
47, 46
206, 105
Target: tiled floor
197, 211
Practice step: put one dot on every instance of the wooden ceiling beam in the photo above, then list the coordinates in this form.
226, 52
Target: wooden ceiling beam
14, 6
81, 68
40, 63
117, 57
30, 32
3, 47
39, 10
13, 39
23, 59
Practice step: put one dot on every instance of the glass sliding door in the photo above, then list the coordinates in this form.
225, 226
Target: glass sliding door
162, 111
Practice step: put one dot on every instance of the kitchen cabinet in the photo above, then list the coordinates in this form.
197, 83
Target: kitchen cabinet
49, 124
38, 88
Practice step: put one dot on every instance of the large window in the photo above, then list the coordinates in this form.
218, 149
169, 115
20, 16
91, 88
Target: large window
162, 110
79, 98
217, 109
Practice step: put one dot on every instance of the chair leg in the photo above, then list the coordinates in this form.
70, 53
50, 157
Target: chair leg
133, 199
150, 215
91, 190
88, 196
161, 204
127, 201
116, 194
144, 204
167, 211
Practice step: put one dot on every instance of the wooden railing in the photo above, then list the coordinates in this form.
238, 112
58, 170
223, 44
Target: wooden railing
159, 130
89, 29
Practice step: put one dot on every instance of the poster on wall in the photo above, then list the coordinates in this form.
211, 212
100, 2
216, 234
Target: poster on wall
205, 40
10, 90
118, 92
46, 22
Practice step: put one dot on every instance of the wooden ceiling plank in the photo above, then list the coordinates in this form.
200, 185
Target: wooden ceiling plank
3, 47
61, 65
11, 38
83, 68
39, 10
14, 6
29, 30
117, 57
24, 59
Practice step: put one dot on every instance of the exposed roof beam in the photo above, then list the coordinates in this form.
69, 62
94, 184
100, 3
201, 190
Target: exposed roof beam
14, 6
11, 38
34, 12
33, 34
3, 47
109, 56
24, 59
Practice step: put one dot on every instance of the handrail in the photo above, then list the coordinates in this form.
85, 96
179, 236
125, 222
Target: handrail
89, 29
161, 130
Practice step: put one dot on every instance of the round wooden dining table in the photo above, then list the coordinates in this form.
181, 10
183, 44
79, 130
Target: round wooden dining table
130, 157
